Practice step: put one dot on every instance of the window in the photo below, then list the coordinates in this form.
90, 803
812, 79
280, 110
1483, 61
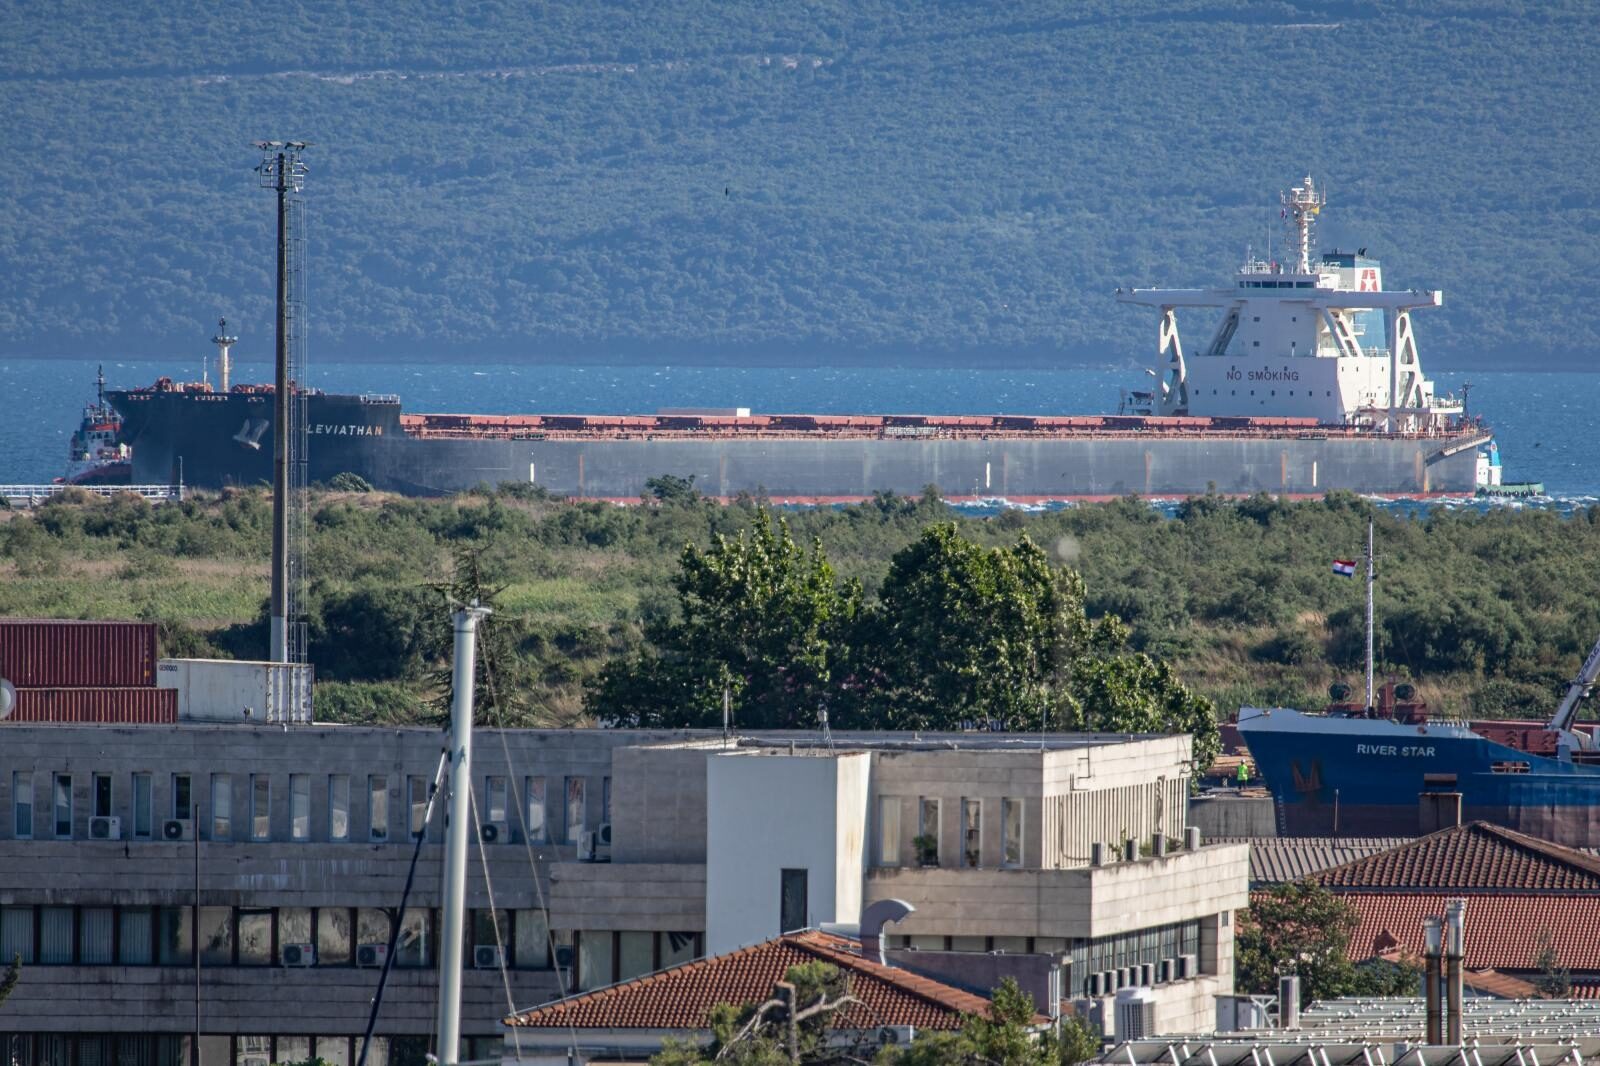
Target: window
333, 936
575, 812
417, 801
96, 940
792, 903
414, 948
16, 933
294, 926
102, 795
63, 805
494, 804
338, 807
255, 937
378, 806
927, 841
221, 806
260, 807
215, 936
490, 929
372, 926
175, 936
533, 792
678, 948
636, 954
22, 805
55, 935
299, 806
533, 940
182, 808
594, 960
143, 806
135, 942
971, 833
1010, 832
888, 830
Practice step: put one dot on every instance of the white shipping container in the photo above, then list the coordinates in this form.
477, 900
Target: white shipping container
230, 690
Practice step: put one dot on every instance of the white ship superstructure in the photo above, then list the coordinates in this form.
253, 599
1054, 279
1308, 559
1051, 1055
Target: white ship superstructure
1303, 338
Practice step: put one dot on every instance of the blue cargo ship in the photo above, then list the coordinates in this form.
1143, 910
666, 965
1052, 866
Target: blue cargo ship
1343, 773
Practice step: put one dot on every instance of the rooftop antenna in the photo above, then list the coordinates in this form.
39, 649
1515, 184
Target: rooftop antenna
282, 171
224, 344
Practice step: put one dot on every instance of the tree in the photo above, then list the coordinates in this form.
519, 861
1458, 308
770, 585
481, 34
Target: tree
966, 632
501, 694
1006, 1036
1554, 980
790, 1027
8, 983
760, 619
1297, 928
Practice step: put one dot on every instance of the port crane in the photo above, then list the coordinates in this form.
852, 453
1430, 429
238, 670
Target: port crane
1567, 713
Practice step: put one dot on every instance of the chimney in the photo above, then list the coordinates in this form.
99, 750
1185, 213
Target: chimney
873, 919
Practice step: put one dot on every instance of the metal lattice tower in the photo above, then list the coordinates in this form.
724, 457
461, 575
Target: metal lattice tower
1301, 206
282, 170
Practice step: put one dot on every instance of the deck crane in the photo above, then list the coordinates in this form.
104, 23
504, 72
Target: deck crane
1561, 722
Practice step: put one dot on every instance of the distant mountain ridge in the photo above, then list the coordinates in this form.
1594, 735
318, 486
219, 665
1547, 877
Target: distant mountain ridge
822, 182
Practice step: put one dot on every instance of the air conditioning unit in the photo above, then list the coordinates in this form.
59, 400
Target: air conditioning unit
898, 1035
1108, 982
105, 827
485, 957
586, 846
1188, 966
177, 829
370, 955
493, 831
298, 955
1166, 970
1124, 977
1147, 974
603, 837
1094, 984
1136, 1014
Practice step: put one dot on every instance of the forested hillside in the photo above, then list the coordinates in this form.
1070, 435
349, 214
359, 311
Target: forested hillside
823, 181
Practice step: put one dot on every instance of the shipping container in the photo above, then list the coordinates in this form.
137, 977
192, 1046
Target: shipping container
118, 706
229, 690
40, 653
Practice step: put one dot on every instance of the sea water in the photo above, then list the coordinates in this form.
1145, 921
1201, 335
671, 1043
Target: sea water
1544, 422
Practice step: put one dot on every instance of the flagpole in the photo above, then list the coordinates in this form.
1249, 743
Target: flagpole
1370, 704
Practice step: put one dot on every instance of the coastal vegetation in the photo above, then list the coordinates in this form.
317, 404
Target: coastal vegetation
1487, 613
827, 181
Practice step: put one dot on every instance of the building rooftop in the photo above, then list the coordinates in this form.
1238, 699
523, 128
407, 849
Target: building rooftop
1476, 857
1275, 860
682, 997
1504, 932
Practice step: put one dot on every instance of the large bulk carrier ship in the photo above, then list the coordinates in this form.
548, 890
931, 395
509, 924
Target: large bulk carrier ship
1310, 382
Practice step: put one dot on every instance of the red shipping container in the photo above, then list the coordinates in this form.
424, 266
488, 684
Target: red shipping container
39, 653
120, 706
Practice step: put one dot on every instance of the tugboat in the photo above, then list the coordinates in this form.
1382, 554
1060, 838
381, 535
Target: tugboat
94, 454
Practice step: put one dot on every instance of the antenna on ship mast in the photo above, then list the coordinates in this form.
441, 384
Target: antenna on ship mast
1301, 205
224, 344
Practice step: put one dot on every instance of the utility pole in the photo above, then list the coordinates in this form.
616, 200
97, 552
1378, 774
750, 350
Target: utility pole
455, 847
1370, 574
282, 171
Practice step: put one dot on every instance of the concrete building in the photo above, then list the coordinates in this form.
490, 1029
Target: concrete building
223, 895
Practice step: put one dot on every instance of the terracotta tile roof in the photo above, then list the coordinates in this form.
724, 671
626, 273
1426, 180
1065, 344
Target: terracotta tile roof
1467, 858
1275, 860
1502, 931
682, 997
1484, 982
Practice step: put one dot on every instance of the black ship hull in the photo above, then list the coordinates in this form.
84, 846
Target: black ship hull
214, 440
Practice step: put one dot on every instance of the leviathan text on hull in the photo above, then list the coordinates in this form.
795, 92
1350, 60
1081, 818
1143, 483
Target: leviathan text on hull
1309, 382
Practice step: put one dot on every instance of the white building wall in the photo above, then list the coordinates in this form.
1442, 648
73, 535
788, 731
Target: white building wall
769, 812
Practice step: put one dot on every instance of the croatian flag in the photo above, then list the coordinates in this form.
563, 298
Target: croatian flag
1344, 567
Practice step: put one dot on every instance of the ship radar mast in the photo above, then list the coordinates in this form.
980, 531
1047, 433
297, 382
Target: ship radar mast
224, 343
1301, 205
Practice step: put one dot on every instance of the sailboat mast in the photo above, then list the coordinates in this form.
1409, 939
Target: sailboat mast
1370, 572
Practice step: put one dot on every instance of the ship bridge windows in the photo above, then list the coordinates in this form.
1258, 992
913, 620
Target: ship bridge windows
1509, 766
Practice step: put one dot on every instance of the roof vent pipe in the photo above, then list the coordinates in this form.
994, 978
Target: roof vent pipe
873, 919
